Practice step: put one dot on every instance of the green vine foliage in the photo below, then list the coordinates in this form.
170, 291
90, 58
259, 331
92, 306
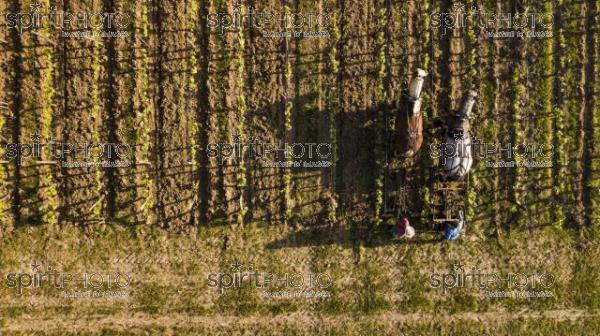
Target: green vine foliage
542, 106
380, 119
130, 122
472, 74
144, 119
287, 115
573, 104
192, 87
96, 113
516, 109
221, 89
334, 110
241, 128
51, 202
424, 191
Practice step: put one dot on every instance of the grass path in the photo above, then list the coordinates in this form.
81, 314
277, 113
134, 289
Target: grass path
71, 323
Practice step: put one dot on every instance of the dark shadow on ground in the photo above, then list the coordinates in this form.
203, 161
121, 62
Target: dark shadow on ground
349, 237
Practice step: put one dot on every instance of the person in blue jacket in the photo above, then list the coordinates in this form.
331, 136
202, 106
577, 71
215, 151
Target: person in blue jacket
452, 230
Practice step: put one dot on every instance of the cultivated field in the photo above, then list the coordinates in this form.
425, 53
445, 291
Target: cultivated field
180, 84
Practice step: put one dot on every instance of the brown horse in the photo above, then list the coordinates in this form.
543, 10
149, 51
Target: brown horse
409, 121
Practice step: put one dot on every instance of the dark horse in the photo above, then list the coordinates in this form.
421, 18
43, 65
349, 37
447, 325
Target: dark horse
458, 158
409, 121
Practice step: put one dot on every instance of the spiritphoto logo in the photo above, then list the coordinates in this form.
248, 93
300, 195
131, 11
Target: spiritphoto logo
72, 24
495, 284
286, 155
497, 155
68, 155
271, 24
86, 284
495, 24
274, 285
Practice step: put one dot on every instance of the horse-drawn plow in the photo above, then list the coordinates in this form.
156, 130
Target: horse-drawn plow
451, 160
448, 200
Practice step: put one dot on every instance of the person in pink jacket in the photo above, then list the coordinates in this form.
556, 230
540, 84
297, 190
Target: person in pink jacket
403, 229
